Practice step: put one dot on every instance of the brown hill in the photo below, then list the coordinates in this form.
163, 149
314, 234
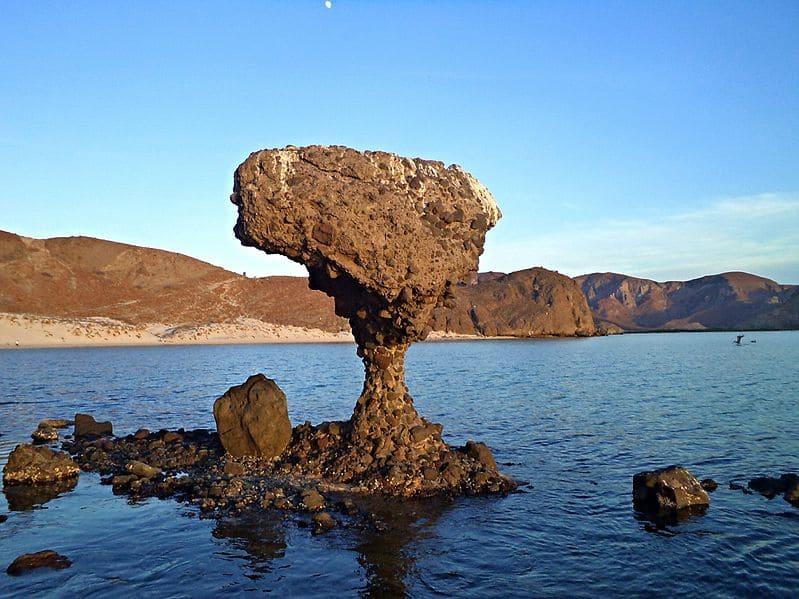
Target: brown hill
529, 303
87, 277
728, 301
83, 276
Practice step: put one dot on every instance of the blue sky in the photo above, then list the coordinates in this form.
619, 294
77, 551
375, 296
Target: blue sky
657, 139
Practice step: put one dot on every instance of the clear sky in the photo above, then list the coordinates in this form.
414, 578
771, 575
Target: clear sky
656, 139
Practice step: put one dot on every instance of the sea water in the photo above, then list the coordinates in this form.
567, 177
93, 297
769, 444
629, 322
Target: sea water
573, 418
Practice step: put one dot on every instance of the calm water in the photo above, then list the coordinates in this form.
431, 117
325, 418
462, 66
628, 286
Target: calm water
575, 418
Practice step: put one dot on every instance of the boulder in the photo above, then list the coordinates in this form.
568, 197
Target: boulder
668, 491
44, 434
40, 559
481, 453
87, 426
29, 464
252, 419
323, 522
142, 470
312, 499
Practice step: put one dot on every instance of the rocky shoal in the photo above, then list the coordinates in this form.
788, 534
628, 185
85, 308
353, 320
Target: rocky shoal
193, 467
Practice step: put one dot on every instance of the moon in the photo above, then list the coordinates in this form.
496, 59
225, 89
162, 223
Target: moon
328, 4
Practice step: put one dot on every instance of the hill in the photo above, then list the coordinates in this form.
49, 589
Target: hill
528, 303
83, 277
727, 301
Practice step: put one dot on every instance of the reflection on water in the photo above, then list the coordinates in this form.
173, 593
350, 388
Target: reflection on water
260, 535
382, 532
23, 498
661, 521
385, 547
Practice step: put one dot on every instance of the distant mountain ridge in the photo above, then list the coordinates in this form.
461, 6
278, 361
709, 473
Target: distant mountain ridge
727, 301
88, 277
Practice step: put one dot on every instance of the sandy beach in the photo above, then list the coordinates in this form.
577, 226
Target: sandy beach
33, 331
27, 331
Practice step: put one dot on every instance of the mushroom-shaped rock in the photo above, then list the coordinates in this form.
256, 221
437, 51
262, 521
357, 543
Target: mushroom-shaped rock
386, 237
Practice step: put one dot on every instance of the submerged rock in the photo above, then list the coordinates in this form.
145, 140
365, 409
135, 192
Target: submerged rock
386, 237
87, 426
668, 491
786, 485
252, 419
29, 464
41, 559
323, 521
55, 423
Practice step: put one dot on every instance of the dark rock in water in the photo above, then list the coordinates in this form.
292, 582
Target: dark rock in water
23, 498
668, 491
252, 419
28, 464
55, 423
387, 237
786, 485
323, 521
767, 486
709, 485
3, 518
792, 494
41, 559
44, 434
87, 426
481, 453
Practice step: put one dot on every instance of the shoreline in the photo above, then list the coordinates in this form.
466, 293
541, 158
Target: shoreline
30, 331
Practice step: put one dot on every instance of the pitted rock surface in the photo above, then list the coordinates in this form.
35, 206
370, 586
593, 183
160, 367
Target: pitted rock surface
32, 465
252, 418
386, 237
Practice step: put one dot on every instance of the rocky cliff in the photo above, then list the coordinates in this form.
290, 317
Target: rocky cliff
728, 301
529, 303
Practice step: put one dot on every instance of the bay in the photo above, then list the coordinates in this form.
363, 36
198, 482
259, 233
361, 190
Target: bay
576, 418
